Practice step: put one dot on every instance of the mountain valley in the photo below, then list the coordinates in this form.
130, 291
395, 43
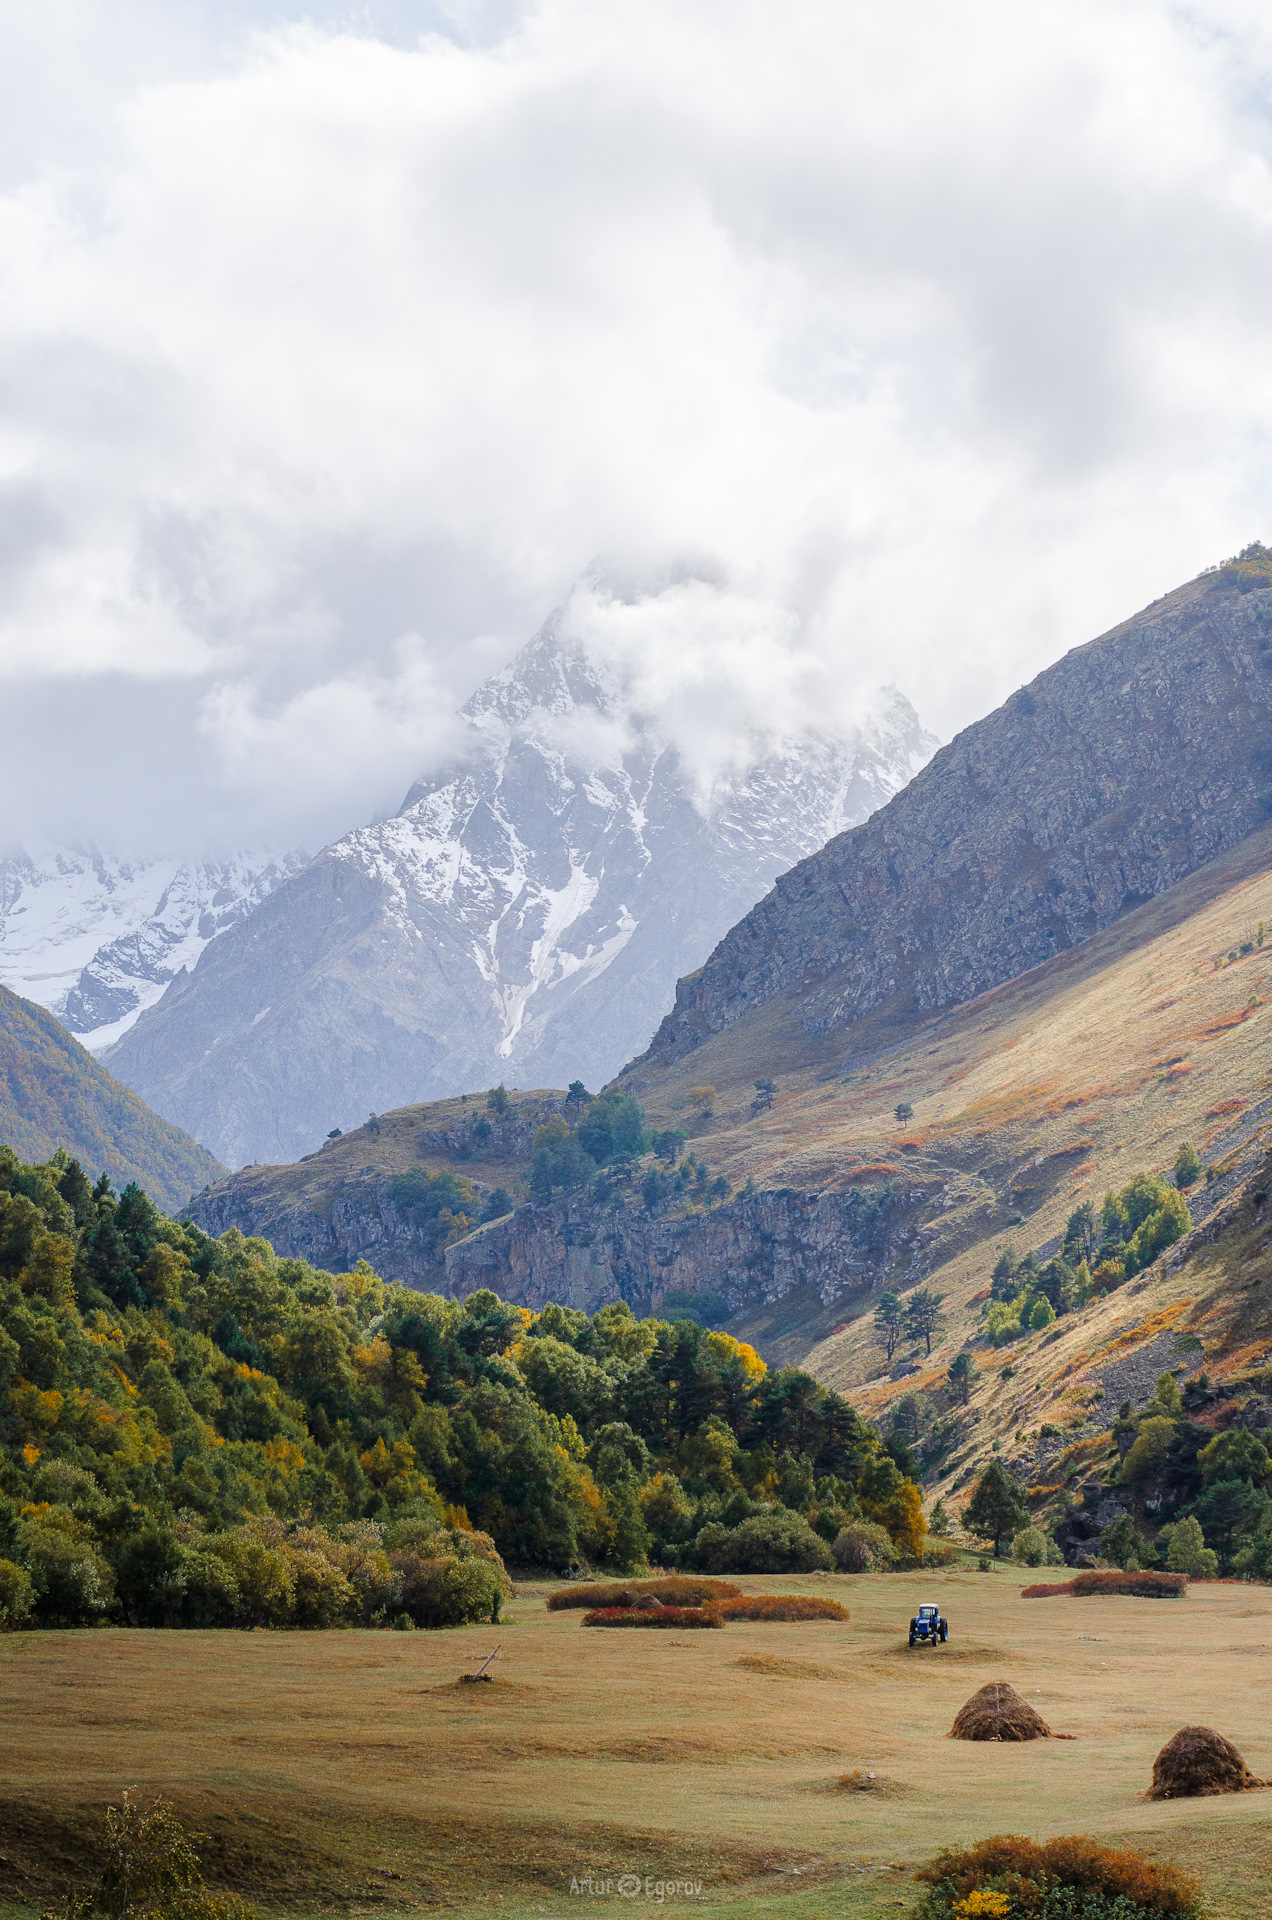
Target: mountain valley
806, 1197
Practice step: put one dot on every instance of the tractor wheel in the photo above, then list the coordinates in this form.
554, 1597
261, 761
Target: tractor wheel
912, 1640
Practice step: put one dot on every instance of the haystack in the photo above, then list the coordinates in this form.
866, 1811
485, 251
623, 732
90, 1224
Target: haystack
1196, 1762
997, 1712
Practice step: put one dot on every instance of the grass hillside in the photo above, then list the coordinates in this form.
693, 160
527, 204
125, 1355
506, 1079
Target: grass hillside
1025, 1102
54, 1094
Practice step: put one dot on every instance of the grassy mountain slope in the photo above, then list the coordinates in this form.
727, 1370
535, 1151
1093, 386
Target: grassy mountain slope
1026, 1101
54, 1094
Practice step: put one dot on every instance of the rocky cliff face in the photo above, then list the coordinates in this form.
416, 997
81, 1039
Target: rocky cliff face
754, 1250
523, 918
1108, 779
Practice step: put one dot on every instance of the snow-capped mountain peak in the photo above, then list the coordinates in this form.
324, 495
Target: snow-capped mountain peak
96, 938
523, 917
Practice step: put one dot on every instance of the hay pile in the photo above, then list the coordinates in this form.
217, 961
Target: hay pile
1199, 1761
997, 1712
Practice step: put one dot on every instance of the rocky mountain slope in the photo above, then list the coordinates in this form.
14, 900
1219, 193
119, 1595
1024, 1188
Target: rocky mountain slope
54, 1094
1112, 776
96, 938
522, 918
1027, 1102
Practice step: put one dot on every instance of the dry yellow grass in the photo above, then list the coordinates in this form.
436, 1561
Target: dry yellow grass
325, 1764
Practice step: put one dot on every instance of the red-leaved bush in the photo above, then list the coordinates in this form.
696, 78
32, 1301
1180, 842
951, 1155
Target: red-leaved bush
778, 1606
656, 1617
1142, 1586
1023, 1870
673, 1589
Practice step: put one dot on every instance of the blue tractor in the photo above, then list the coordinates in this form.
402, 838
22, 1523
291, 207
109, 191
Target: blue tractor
927, 1628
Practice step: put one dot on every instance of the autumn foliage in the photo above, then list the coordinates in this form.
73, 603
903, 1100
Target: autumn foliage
778, 1606
655, 1617
674, 1590
1143, 1586
1023, 1870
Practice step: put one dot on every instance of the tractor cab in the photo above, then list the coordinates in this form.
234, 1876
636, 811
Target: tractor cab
927, 1628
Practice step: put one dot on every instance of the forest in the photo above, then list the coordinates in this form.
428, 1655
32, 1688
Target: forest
197, 1432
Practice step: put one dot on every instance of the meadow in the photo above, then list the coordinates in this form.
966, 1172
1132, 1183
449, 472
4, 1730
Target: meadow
353, 1772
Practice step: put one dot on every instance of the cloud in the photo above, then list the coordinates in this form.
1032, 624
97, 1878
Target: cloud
333, 353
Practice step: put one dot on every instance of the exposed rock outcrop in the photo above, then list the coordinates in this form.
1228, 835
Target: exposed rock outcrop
1112, 776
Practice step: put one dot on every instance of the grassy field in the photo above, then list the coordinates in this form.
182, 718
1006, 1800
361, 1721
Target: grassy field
351, 1771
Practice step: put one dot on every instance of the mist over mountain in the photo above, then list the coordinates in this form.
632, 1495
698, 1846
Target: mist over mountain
1105, 781
523, 917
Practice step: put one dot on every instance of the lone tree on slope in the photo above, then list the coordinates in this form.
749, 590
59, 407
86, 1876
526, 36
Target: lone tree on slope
997, 1507
959, 1375
889, 1323
923, 1315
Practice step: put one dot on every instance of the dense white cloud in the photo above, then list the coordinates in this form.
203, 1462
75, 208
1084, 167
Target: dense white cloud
331, 354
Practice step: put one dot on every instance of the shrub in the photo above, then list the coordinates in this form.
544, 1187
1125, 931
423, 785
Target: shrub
150, 1871
1125, 1884
1143, 1586
1186, 1550
1045, 1590
656, 1617
674, 1590
17, 1596
776, 1542
447, 1592
779, 1606
863, 1547
1122, 1546
1034, 1549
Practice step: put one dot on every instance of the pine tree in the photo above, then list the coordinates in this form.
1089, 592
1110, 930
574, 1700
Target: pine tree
889, 1320
961, 1370
997, 1507
923, 1315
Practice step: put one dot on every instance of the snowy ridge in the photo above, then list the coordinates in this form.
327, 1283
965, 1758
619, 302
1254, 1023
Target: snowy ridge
524, 916
96, 938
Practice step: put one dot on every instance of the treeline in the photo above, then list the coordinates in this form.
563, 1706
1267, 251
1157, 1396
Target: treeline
1201, 1501
1099, 1252
594, 1146
198, 1432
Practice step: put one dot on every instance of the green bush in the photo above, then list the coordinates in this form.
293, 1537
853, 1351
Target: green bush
1184, 1548
17, 1596
776, 1542
863, 1547
1032, 1547
447, 1592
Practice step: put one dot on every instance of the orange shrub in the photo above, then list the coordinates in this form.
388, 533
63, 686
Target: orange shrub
1146, 1586
778, 1606
1020, 1867
656, 1617
1143, 1586
674, 1589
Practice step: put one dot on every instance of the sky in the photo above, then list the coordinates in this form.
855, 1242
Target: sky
840, 344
